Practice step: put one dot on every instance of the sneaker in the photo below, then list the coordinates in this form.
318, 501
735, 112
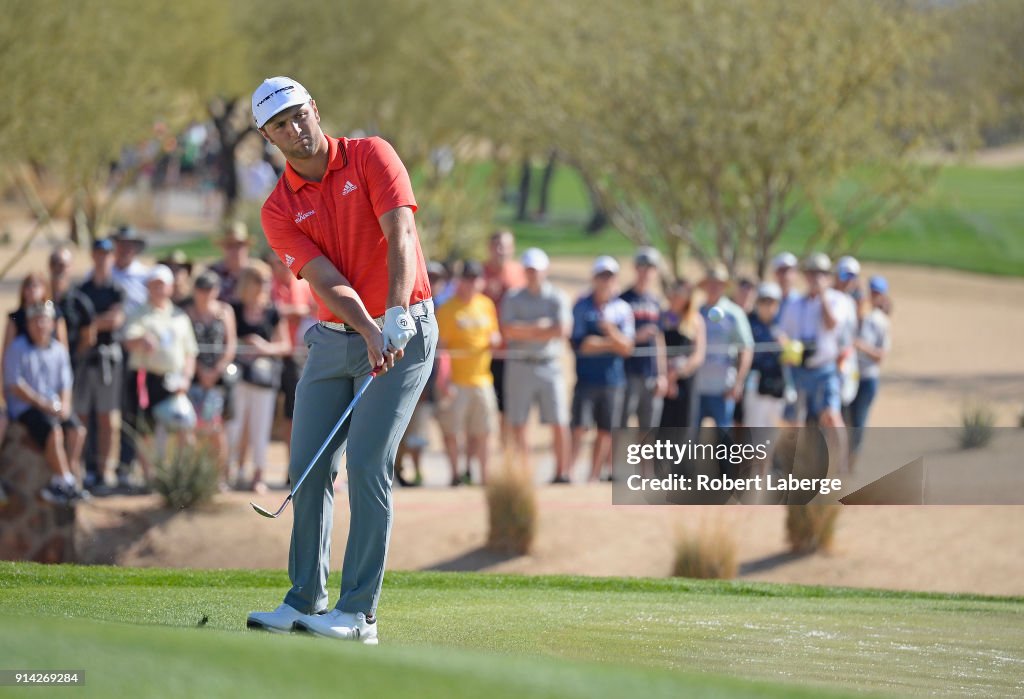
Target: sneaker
278, 621
342, 625
55, 495
560, 480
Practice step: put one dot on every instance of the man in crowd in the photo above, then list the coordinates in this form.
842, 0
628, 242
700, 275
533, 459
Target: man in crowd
76, 308
536, 320
37, 378
163, 356
468, 329
847, 281
100, 375
602, 336
235, 244
501, 273
730, 351
784, 268
646, 372
131, 276
816, 320
128, 272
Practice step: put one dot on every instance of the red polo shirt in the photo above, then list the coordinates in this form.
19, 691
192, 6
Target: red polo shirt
338, 218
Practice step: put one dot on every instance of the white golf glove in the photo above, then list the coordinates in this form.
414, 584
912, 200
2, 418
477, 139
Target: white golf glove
398, 328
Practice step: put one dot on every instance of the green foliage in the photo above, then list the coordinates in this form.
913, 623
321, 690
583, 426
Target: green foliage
977, 426
186, 476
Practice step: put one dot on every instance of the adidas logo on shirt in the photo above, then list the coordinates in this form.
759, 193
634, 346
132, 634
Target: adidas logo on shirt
348, 189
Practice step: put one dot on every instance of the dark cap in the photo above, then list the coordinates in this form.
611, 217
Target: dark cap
128, 234
471, 269
103, 244
436, 269
207, 280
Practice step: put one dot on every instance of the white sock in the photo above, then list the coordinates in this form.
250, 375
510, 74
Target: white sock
70, 480
57, 481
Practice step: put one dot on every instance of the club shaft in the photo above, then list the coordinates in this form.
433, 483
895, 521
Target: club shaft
334, 431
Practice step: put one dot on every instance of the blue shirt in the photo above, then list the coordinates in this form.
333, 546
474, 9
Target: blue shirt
646, 312
600, 369
766, 362
46, 370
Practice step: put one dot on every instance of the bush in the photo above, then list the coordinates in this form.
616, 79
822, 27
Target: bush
810, 528
710, 552
511, 509
977, 425
186, 476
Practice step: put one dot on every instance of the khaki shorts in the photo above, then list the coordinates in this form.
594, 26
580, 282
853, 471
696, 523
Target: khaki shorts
470, 410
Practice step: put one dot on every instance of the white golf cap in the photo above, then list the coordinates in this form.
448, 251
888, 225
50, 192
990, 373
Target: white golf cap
783, 260
605, 263
535, 258
647, 257
847, 267
769, 290
161, 273
275, 95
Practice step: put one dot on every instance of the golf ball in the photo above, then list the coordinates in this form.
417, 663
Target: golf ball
716, 314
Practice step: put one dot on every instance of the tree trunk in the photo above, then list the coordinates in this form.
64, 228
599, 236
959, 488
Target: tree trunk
545, 185
222, 112
524, 190
598, 214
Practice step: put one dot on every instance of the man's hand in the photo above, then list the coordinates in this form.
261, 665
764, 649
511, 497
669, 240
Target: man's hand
398, 329
378, 353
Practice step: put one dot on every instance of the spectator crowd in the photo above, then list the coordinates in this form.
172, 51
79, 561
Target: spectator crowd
103, 372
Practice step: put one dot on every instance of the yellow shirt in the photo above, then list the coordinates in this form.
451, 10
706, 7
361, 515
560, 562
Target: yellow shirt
466, 328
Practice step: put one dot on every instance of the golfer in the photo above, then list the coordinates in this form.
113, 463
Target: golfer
341, 217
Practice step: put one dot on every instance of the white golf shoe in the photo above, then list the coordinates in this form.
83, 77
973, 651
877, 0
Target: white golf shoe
280, 620
343, 625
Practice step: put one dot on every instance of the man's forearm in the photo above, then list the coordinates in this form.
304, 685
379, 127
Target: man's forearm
400, 230
343, 301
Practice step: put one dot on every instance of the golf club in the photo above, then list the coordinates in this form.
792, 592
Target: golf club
320, 451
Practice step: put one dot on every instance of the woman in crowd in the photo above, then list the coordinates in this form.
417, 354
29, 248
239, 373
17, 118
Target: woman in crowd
34, 290
262, 342
685, 344
213, 322
765, 397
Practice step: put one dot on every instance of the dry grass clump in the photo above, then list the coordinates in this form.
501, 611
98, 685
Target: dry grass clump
511, 508
709, 552
811, 528
977, 425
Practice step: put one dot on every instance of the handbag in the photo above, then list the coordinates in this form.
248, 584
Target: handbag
773, 385
264, 372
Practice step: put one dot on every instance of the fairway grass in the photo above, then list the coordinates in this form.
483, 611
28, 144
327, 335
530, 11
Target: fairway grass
139, 632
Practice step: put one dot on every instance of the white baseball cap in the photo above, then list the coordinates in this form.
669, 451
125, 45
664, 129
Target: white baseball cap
535, 258
161, 273
275, 95
605, 263
769, 290
847, 267
783, 260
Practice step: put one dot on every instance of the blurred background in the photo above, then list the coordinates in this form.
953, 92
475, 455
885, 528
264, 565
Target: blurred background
718, 132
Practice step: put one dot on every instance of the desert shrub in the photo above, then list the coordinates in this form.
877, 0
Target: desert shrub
810, 528
709, 552
511, 509
186, 475
977, 425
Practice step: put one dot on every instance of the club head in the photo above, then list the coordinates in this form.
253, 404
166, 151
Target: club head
265, 513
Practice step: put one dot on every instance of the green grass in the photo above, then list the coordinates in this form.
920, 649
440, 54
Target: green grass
135, 631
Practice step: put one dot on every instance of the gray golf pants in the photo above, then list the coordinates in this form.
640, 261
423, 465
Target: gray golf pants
336, 368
